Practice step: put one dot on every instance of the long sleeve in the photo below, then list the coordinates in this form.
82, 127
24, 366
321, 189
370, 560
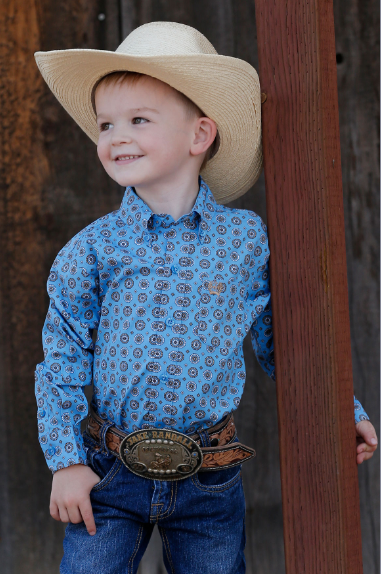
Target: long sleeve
259, 300
74, 311
360, 414
261, 329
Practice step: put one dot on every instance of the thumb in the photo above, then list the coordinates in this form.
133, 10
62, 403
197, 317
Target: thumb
368, 433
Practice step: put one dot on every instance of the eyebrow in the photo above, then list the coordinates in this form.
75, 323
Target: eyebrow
144, 109
135, 110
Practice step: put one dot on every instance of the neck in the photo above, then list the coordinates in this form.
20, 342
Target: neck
175, 197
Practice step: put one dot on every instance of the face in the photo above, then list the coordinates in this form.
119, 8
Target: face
144, 135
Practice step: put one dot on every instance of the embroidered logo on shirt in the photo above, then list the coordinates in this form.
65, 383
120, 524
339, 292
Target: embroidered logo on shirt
215, 288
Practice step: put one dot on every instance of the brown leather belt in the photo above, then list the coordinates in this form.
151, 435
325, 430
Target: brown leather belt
170, 455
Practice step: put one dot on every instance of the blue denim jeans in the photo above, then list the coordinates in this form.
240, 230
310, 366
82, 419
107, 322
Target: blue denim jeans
201, 520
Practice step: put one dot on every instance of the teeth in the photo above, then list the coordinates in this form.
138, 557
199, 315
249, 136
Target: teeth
127, 157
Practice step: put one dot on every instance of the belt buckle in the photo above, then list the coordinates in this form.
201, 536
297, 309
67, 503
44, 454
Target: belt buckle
160, 454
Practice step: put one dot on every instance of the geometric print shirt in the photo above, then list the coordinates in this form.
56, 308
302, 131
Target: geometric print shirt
153, 312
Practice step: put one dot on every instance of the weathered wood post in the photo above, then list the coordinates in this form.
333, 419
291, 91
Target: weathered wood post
305, 217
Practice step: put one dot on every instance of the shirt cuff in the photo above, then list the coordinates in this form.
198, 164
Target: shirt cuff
360, 414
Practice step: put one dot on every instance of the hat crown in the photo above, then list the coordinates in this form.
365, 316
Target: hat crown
165, 39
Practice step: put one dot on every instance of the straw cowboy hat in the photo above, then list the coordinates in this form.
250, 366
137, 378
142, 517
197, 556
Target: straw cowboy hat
226, 89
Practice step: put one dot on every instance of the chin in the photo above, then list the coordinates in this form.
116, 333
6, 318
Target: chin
124, 180
133, 181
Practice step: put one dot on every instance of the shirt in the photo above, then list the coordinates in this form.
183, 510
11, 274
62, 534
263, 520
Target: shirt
171, 302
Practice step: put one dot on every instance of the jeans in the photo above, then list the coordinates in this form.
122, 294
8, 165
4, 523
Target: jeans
201, 520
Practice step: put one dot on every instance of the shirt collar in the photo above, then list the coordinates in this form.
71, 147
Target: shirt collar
139, 214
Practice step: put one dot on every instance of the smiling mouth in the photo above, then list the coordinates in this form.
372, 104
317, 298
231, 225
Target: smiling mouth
127, 158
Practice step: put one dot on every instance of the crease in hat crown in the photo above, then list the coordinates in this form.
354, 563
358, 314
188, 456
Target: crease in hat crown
226, 88
165, 39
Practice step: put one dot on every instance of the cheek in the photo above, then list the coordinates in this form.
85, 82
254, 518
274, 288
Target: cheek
170, 147
102, 151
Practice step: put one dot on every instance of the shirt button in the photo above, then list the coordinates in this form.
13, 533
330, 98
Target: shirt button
42, 413
146, 236
51, 451
169, 321
164, 378
174, 268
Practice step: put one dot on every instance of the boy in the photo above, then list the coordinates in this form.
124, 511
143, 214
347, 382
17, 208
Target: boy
170, 284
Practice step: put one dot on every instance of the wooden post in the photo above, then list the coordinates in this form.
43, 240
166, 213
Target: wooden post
305, 217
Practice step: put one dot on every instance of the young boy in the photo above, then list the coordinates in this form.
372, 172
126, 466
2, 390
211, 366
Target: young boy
151, 304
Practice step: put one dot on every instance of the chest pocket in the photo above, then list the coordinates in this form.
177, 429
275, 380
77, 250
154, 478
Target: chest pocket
219, 302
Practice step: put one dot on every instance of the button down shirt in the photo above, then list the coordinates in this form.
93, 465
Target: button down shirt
171, 302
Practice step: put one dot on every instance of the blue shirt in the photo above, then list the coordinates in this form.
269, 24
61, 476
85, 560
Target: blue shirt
171, 302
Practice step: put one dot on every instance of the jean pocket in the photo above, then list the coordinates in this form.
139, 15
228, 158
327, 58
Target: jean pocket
109, 469
217, 480
106, 467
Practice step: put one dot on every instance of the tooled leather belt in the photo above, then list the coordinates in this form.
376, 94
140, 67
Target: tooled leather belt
164, 454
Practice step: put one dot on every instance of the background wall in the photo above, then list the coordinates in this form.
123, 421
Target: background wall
52, 185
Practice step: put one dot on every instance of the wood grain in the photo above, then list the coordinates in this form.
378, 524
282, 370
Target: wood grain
301, 143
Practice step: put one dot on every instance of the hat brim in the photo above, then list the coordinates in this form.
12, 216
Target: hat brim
226, 89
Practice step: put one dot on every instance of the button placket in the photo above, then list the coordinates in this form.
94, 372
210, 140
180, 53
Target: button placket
147, 238
169, 321
201, 233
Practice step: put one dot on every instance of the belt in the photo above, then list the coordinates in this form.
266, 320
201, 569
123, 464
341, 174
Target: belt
164, 454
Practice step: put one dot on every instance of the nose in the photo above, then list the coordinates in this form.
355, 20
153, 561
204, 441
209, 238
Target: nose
120, 135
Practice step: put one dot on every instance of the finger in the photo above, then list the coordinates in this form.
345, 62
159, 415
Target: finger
88, 516
367, 455
364, 447
54, 513
364, 456
360, 458
64, 517
74, 514
370, 436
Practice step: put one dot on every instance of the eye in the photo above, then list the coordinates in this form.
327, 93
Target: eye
102, 127
139, 122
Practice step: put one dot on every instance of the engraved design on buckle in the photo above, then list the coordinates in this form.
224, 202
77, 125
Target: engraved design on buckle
161, 454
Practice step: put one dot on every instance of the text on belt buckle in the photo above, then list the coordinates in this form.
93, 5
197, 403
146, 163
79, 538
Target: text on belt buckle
160, 454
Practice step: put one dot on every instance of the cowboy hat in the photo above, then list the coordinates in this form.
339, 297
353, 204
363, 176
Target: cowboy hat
226, 89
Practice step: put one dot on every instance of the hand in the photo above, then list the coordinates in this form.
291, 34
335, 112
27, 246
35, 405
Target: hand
366, 440
70, 497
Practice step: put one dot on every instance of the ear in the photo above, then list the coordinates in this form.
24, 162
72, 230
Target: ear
205, 131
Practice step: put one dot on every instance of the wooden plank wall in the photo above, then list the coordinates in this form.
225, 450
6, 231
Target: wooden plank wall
52, 185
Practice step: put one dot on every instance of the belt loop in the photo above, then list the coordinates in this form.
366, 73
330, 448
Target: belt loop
102, 435
204, 437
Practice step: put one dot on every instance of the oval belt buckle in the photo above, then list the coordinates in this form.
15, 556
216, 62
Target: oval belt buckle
160, 454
